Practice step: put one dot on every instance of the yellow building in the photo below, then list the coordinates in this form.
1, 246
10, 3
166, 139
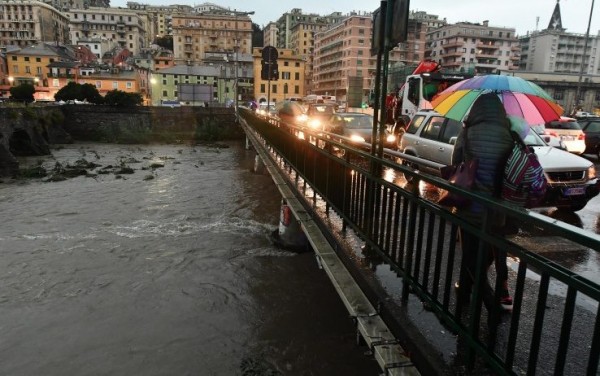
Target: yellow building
31, 65
290, 80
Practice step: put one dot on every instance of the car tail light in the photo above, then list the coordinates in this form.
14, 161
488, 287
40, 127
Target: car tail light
581, 136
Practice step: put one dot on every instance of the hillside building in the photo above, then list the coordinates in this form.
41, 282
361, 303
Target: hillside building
461, 46
26, 22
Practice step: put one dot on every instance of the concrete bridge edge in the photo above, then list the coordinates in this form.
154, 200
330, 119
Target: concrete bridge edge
389, 354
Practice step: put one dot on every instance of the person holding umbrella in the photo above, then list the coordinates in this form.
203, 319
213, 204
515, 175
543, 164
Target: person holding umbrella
486, 131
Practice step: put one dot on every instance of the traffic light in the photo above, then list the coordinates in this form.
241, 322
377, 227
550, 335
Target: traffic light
269, 71
264, 70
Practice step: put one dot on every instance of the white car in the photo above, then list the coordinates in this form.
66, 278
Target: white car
568, 131
572, 180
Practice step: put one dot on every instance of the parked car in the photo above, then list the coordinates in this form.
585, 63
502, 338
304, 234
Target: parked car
572, 180
355, 126
591, 129
569, 132
549, 138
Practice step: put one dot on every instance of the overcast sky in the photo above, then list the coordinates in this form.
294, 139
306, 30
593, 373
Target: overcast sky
520, 14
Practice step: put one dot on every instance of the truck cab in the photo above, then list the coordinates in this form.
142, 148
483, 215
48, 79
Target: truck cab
418, 90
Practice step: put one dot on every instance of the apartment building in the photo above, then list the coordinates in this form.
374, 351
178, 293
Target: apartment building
555, 50
42, 65
290, 82
419, 24
160, 17
343, 57
166, 85
194, 36
270, 34
289, 20
464, 45
125, 27
26, 22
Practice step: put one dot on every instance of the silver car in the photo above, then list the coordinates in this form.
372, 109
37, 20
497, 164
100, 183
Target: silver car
572, 180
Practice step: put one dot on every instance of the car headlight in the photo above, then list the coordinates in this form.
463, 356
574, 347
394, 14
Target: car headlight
591, 172
356, 138
390, 138
314, 123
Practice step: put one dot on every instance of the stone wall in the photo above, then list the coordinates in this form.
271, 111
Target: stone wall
29, 130
150, 124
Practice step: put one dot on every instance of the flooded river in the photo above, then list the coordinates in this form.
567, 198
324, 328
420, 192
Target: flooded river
165, 271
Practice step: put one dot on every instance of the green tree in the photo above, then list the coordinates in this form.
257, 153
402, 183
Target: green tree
90, 93
23, 92
80, 92
257, 36
123, 99
69, 92
165, 42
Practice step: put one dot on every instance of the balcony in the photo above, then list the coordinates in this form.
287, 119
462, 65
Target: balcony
484, 55
487, 45
451, 54
456, 43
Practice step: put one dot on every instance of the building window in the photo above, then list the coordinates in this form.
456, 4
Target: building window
297, 76
27, 69
558, 95
39, 70
115, 85
129, 85
14, 58
15, 69
55, 82
274, 89
164, 93
262, 88
296, 89
98, 84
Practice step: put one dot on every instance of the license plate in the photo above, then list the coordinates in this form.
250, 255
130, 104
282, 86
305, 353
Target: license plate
574, 191
567, 138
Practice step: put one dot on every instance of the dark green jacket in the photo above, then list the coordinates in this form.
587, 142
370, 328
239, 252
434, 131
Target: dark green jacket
489, 141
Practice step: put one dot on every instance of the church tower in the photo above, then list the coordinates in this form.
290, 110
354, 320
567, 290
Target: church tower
555, 20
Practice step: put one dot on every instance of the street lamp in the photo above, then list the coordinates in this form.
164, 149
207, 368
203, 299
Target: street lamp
11, 79
151, 89
235, 62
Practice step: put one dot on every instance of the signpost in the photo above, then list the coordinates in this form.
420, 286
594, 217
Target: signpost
269, 69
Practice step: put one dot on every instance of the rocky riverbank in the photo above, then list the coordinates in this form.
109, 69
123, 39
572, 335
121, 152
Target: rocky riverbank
30, 131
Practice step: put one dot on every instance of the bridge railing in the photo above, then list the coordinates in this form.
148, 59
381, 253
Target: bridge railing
555, 320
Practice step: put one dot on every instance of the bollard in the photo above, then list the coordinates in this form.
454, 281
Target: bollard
289, 235
259, 166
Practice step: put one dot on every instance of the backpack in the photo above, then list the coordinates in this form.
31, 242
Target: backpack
524, 183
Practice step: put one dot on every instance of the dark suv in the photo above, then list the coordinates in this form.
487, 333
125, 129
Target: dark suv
591, 129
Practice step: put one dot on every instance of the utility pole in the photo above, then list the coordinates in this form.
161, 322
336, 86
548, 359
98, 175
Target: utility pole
583, 61
235, 61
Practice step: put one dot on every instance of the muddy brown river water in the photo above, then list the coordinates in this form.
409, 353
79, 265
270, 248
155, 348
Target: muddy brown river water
166, 271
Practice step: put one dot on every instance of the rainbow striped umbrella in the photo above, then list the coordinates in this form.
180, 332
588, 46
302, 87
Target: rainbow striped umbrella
520, 97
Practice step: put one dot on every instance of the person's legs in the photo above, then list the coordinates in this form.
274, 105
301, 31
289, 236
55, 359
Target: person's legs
502, 272
470, 248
